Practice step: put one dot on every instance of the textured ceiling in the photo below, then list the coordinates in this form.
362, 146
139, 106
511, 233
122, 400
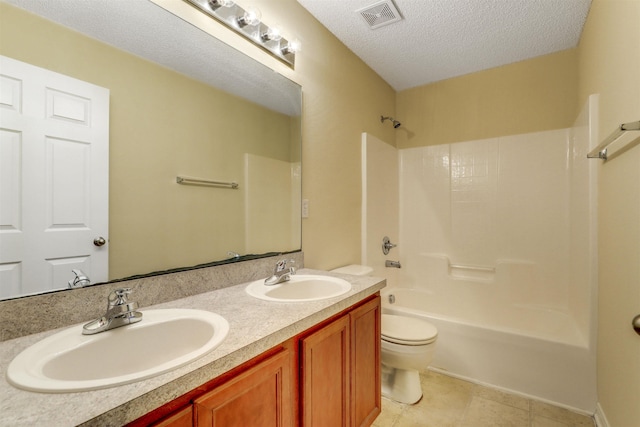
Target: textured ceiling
440, 39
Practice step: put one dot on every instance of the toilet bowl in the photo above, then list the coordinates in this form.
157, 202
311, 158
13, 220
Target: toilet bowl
407, 347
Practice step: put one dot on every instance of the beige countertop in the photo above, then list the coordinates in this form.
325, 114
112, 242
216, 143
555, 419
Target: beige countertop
255, 326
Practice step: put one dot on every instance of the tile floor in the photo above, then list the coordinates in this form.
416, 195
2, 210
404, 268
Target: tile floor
451, 402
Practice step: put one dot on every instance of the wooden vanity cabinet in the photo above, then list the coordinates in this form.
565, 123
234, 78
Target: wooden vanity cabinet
366, 388
340, 370
261, 396
325, 375
260, 392
328, 375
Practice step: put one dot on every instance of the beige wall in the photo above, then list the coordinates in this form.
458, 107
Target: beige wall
162, 124
528, 96
342, 97
609, 64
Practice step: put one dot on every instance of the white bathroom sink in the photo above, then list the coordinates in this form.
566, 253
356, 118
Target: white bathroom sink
164, 340
301, 287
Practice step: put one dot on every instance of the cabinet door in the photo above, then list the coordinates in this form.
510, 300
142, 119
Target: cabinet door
365, 363
261, 396
182, 418
326, 375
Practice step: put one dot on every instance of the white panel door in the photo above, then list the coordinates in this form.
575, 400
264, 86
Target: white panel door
54, 179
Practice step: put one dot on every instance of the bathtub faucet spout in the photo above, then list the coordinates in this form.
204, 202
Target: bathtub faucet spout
394, 264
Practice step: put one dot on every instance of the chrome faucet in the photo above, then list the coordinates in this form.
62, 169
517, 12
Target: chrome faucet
81, 280
120, 312
281, 273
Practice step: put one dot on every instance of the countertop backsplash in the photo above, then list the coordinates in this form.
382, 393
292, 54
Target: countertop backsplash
38, 313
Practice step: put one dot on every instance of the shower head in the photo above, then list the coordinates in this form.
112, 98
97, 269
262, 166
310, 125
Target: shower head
396, 124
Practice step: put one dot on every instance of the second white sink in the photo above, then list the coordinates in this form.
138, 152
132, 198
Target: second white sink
164, 340
301, 287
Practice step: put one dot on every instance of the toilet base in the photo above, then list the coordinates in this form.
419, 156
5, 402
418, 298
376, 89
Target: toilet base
401, 385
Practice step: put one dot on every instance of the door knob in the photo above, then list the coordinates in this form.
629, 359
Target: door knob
636, 324
99, 241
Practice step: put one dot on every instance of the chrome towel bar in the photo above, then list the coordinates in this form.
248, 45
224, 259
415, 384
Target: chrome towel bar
197, 181
600, 152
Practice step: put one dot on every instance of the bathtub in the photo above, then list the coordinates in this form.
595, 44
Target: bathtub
527, 350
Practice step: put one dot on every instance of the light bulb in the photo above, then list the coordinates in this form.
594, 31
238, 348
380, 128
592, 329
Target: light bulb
216, 4
251, 17
293, 47
273, 33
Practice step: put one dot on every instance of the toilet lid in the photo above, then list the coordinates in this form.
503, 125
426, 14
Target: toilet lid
407, 330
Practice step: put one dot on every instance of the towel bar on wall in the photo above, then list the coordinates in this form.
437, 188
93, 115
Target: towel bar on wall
600, 152
197, 181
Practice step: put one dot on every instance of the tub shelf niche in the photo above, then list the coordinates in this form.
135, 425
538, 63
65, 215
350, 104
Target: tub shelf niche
437, 270
472, 272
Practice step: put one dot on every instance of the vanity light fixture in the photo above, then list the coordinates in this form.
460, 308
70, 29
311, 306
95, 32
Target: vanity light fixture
251, 17
246, 22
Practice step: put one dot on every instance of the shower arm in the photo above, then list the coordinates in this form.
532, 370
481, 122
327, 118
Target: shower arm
396, 124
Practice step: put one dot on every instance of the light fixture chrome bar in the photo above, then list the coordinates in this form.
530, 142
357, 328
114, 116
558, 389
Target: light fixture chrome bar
197, 181
233, 17
600, 152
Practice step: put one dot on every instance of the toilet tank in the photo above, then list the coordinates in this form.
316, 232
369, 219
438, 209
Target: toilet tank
354, 269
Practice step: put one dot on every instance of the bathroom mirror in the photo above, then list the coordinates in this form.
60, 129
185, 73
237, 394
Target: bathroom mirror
182, 103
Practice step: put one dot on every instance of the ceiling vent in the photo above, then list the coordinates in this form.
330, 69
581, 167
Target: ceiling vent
380, 14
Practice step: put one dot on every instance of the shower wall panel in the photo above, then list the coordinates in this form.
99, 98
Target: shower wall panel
501, 204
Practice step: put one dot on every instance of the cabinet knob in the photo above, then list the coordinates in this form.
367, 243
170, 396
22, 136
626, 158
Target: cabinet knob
99, 241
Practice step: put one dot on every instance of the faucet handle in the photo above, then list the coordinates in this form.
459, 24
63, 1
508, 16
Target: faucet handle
282, 264
80, 280
119, 297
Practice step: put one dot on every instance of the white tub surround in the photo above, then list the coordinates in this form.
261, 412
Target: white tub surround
498, 246
509, 217
497, 299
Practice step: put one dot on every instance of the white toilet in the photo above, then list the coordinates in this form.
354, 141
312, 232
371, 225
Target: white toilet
408, 345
